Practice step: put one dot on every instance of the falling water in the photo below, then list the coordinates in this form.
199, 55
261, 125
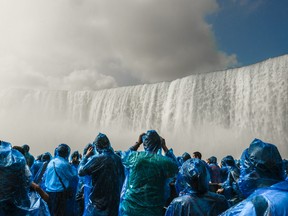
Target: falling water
216, 113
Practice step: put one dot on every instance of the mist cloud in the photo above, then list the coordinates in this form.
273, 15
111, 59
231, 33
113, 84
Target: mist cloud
97, 44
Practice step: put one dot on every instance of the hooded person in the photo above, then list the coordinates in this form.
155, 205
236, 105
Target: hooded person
29, 158
84, 184
196, 199
107, 175
262, 181
38, 169
184, 157
143, 192
59, 177
230, 187
16, 197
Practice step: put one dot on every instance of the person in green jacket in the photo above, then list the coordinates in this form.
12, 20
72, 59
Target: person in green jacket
146, 172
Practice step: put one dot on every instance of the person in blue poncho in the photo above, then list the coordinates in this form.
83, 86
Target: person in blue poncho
85, 184
195, 199
146, 172
60, 175
38, 169
107, 175
29, 158
18, 194
230, 187
262, 181
184, 157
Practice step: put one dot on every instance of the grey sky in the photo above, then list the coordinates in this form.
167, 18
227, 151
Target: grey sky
96, 44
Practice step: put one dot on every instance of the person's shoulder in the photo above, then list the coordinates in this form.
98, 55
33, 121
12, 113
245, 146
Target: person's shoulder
183, 199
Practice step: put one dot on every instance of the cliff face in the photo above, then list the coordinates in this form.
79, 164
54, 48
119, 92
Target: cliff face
218, 113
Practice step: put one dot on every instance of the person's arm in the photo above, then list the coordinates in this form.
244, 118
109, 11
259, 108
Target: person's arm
40, 191
138, 143
91, 165
82, 170
163, 144
168, 153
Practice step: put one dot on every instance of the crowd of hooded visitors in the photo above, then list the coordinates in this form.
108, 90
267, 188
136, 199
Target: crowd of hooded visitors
150, 182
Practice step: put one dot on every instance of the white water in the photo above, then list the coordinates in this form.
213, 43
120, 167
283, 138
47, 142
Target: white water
217, 113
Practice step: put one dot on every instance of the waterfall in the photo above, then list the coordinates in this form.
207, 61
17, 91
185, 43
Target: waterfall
216, 113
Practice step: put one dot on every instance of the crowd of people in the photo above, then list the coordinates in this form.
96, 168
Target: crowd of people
151, 182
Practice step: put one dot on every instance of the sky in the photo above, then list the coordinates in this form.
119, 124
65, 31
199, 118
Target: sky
96, 44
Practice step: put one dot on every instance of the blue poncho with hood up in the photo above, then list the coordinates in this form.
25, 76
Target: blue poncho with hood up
195, 199
15, 179
262, 180
107, 175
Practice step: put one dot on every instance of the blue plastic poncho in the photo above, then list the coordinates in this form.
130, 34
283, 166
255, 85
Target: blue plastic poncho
15, 180
143, 190
261, 166
285, 165
39, 167
84, 185
69, 177
264, 201
181, 159
230, 185
29, 158
66, 172
107, 173
195, 199
151, 141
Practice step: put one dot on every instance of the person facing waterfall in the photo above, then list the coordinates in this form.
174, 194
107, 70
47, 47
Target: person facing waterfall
107, 174
60, 177
262, 181
146, 173
195, 198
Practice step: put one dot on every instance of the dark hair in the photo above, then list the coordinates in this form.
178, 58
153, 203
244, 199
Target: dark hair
197, 155
212, 159
75, 154
63, 150
228, 161
46, 157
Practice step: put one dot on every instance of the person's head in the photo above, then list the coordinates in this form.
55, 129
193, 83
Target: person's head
39, 157
63, 150
212, 160
26, 148
228, 161
151, 141
196, 175
46, 157
186, 156
75, 156
87, 147
197, 155
261, 166
102, 143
